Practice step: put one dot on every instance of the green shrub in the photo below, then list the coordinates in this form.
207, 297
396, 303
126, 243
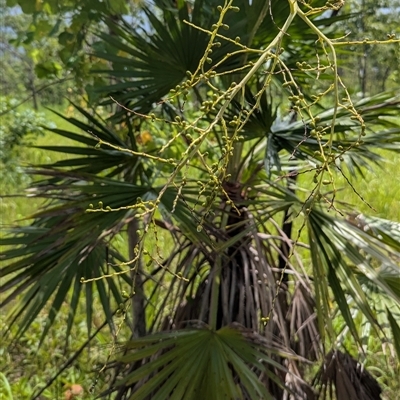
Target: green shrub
19, 129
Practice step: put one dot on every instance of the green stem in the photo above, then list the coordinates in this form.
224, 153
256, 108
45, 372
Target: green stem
335, 72
216, 281
214, 303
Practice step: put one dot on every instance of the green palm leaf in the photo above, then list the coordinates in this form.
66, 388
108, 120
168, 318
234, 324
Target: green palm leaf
195, 363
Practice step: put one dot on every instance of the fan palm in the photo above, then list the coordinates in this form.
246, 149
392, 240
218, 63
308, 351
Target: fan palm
238, 281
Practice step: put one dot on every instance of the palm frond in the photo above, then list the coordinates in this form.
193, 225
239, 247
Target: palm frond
194, 363
349, 379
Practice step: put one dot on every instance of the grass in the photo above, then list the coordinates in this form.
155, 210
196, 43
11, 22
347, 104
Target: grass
26, 367
379, 188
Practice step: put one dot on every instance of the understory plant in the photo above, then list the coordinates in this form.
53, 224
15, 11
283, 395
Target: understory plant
19, 128
238, 279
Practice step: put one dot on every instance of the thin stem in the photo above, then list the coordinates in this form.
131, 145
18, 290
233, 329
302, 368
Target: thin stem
335, 72
216, 283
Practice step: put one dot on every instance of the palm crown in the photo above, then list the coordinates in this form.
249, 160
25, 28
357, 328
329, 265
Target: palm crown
238, 280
